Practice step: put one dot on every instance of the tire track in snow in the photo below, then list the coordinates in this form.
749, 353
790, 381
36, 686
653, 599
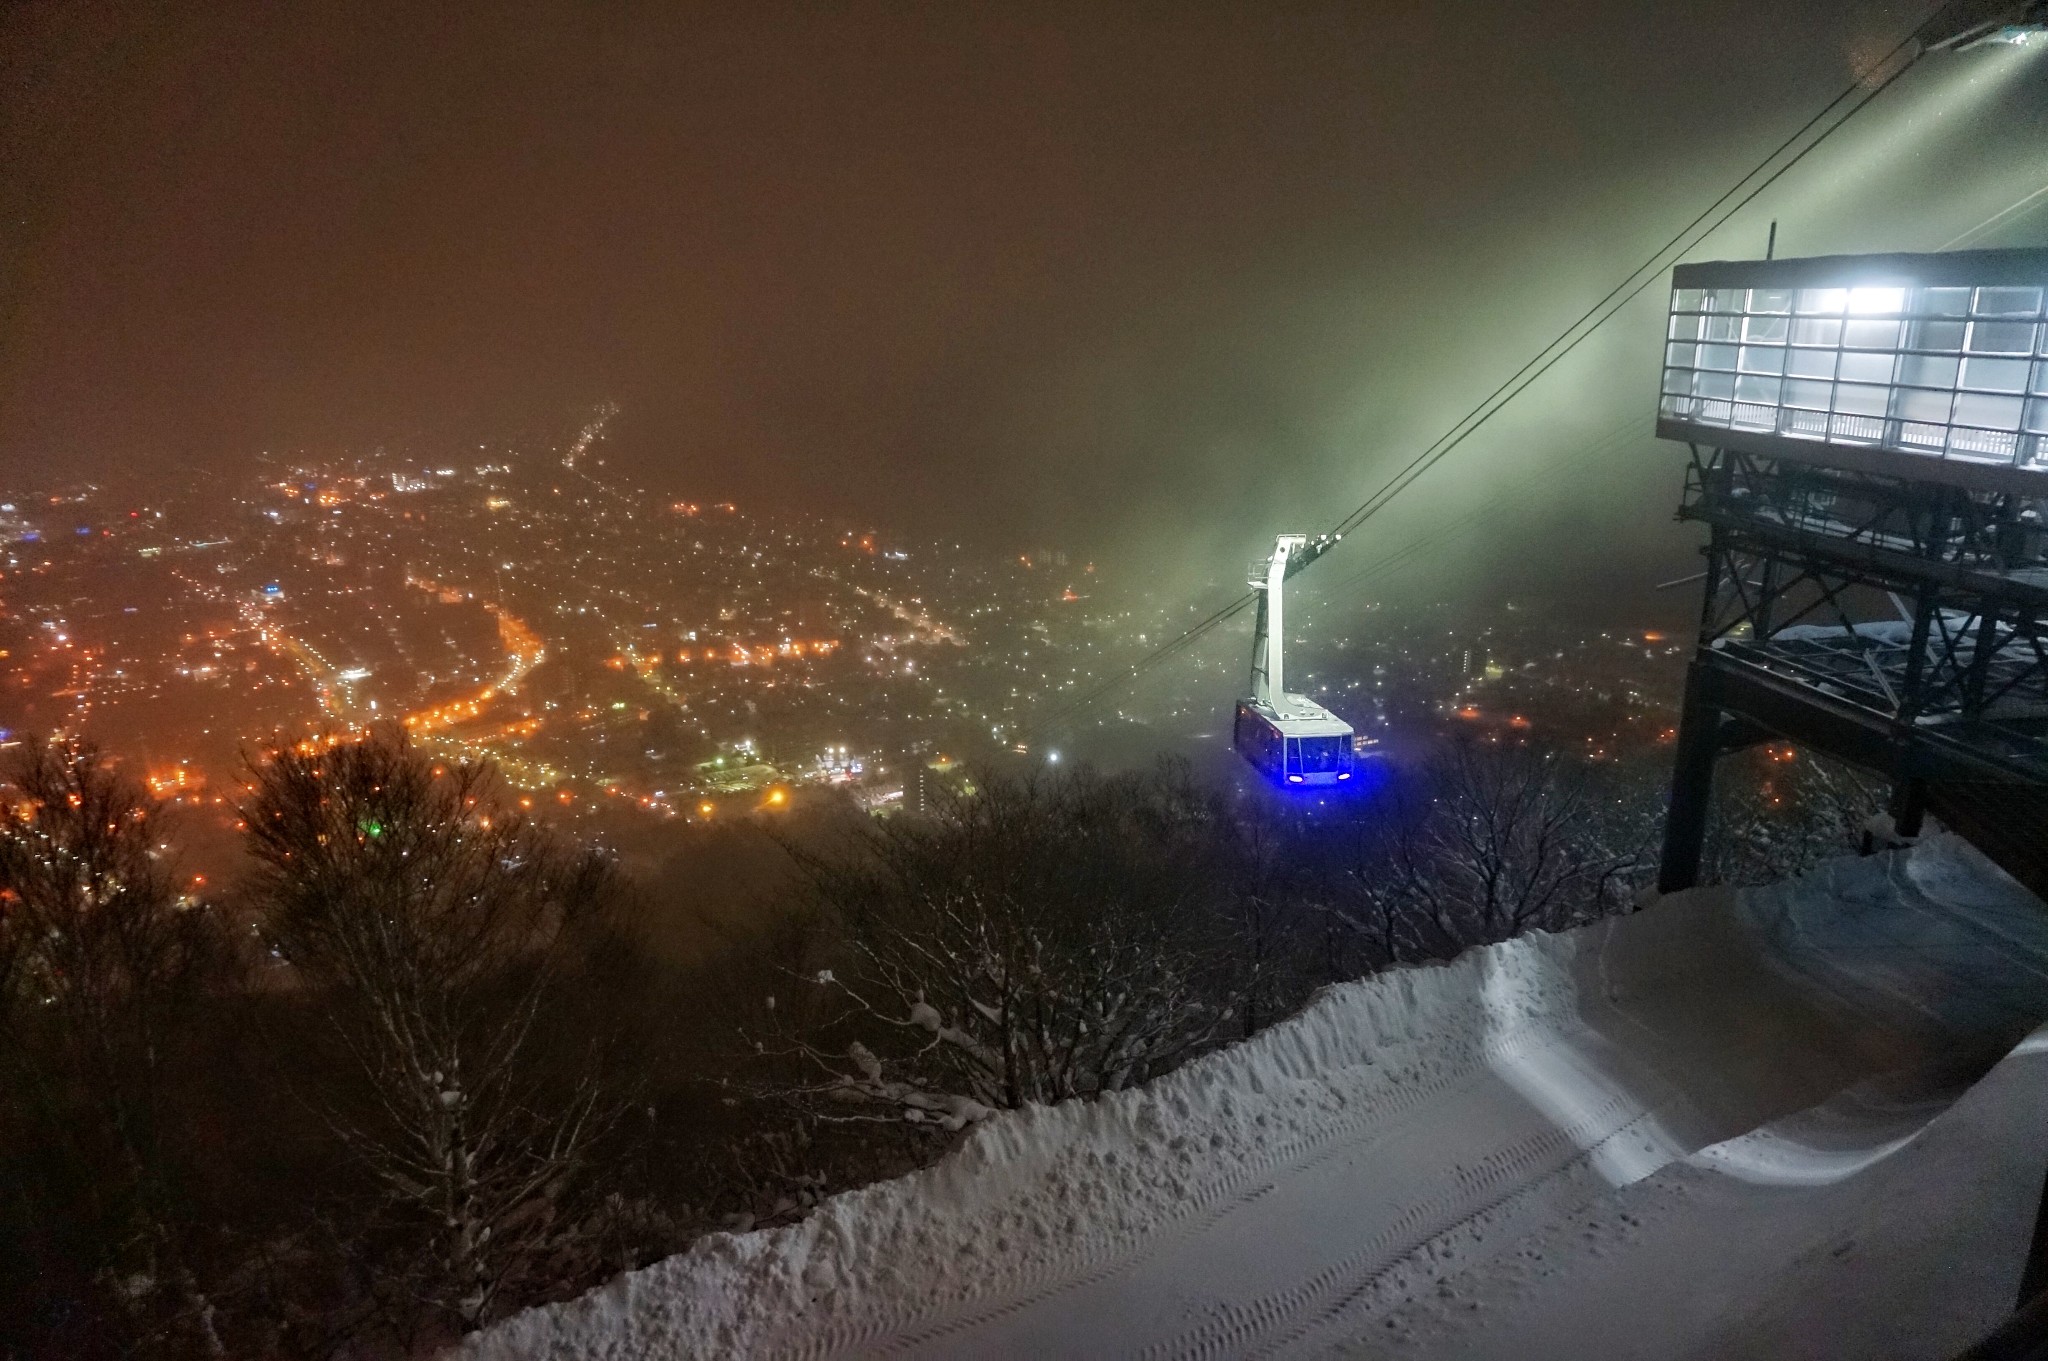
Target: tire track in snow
1360, 1294
1099, 1258
1161, 1221
1114, 1259
1104, 1259
1093, 1260
1475, 1189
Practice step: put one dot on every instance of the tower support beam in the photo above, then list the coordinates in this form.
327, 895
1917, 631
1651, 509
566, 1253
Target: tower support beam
1899, 626
1692, 782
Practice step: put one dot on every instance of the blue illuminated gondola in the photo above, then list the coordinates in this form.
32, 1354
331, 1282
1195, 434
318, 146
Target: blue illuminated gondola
1290, 739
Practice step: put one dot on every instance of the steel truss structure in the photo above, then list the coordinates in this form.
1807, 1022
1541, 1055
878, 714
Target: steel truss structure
1897, 624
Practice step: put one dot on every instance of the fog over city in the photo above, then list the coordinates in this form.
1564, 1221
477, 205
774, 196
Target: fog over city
1150, 284
1023, 678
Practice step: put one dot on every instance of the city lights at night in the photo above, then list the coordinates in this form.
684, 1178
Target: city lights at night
1023, 680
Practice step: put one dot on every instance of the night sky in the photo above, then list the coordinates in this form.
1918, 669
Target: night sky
1151, 281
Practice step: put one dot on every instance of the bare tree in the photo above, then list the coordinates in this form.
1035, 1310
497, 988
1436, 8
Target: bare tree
1492, 842
1274, 854
1364, 871
100, 960
1778, 812
1519, 837
434, 921
1043, 939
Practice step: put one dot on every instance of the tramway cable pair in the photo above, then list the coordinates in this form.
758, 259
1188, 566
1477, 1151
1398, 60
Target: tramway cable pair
1292, 739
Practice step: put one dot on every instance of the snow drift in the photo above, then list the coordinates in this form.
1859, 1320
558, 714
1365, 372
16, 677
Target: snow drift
1308, 1188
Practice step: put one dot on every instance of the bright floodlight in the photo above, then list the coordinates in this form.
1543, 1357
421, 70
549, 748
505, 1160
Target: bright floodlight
1933, 367
1963, 24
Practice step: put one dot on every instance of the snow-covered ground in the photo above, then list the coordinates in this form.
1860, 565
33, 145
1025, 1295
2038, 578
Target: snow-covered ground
1732, 1125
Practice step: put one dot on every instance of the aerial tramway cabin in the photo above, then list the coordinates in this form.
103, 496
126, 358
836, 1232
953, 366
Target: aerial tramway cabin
1290, 739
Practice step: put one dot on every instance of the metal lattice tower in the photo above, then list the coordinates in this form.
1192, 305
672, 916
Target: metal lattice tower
1874, 484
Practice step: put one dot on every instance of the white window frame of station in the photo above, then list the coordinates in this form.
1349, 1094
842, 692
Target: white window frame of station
1946, 371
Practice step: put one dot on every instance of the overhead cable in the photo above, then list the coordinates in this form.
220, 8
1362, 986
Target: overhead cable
1710, 219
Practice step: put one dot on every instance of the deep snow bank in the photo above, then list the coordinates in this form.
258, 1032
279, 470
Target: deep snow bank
1859, 1230
1290, 1190
1028, 1189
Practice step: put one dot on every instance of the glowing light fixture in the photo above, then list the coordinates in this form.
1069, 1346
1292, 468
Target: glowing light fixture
1963, 24
1933, 367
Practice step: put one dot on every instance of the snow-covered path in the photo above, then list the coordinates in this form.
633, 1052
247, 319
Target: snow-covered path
1501, 1153
1863, 1248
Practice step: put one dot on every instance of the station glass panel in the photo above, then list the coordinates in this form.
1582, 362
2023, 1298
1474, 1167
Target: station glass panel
1945, 372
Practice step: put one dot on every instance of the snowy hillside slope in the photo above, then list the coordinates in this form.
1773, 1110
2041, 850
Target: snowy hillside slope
1377, 1171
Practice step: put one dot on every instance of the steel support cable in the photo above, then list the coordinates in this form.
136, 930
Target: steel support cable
1637, 279
1566, 341
1507, 498
1619, 297
1415, 549
2015, 207
1197, 631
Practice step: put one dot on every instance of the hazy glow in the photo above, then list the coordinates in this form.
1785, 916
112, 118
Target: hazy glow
1948, 95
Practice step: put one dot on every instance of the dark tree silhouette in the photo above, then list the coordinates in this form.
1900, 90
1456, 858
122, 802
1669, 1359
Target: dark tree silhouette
1042, 939
434, 921
100, 963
